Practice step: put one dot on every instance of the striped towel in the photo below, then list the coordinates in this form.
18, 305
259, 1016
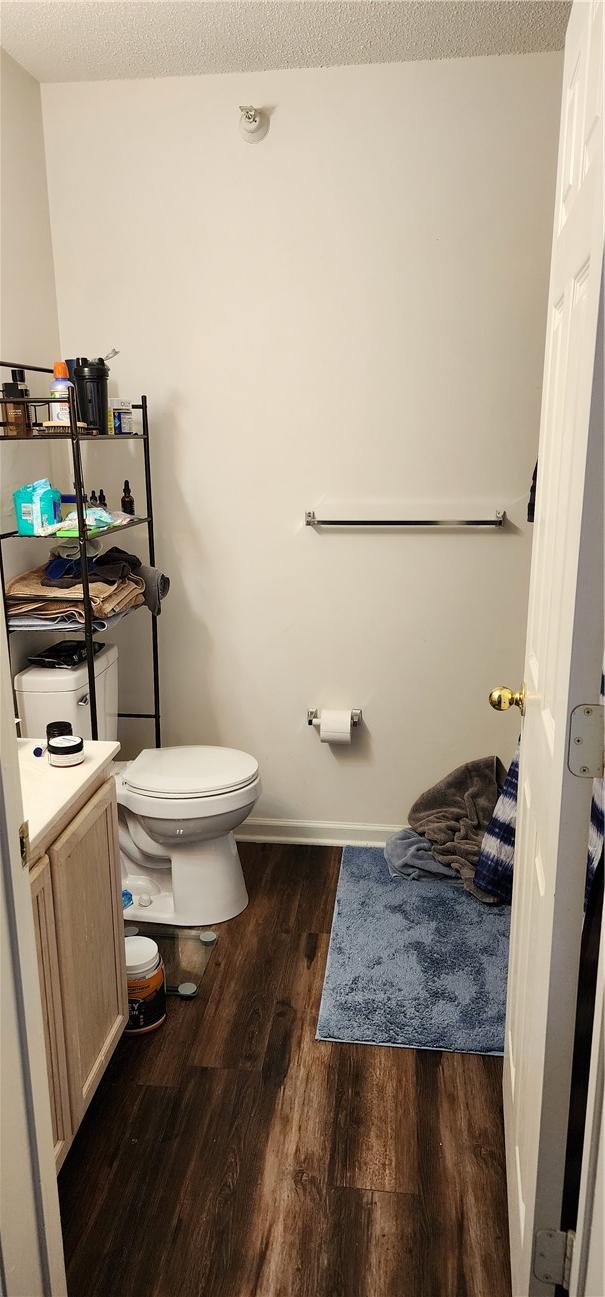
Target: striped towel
597, 823
494, 872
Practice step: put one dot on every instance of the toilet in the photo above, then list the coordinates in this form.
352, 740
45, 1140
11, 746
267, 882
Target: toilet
177, 810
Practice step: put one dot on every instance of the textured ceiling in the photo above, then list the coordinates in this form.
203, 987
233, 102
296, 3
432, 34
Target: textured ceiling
82, 40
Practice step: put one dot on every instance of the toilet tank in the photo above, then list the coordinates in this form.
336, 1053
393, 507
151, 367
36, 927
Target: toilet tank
46, 694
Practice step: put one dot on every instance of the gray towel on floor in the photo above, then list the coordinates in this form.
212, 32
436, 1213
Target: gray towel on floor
409, 855
156, 587
454, 814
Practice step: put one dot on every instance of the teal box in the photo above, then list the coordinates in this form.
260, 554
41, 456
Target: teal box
37, 506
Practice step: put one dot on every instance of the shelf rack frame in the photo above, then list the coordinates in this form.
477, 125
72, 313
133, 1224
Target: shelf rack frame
75, 437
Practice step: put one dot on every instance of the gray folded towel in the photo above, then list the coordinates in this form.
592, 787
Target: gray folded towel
409, 855
454, 814
156, 587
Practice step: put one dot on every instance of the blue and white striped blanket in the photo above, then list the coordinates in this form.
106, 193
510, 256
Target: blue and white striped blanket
494, 872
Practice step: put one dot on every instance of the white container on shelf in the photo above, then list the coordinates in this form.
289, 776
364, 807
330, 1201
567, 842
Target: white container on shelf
61, 694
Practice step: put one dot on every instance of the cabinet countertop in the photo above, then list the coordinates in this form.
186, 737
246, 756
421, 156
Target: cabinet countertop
53, 794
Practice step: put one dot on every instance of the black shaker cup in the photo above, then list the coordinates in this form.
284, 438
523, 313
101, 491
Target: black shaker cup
90, 378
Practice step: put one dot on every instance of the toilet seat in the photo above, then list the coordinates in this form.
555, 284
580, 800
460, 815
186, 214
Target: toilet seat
181, 773
161, 783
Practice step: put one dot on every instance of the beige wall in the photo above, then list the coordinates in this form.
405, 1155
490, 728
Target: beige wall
349, 315
28, 311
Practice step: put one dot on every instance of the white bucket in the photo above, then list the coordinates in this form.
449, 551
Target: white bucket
146, 985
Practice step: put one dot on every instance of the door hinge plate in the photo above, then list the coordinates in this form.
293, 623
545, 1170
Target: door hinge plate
552, 1255
585, 752
24, 842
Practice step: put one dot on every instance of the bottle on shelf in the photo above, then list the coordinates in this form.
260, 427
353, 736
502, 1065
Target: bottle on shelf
127, 499
16, 414
102, 498
59, 390
93, 499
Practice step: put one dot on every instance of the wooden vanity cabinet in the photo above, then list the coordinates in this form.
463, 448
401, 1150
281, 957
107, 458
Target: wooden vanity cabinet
76, 893
52, 1011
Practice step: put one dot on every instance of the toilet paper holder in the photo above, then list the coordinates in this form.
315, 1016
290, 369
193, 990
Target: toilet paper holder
313, 716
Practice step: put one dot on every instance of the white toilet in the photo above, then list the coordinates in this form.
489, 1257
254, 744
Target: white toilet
177, 809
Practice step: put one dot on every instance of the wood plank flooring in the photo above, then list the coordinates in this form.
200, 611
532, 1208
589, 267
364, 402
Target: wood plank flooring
230, 1154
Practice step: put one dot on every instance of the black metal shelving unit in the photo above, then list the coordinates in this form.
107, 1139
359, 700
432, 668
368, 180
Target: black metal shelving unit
75, 437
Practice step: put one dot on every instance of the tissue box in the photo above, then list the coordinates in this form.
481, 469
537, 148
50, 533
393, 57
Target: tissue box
37, 506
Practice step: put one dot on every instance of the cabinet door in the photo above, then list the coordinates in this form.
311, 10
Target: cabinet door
85, 869
52, 1013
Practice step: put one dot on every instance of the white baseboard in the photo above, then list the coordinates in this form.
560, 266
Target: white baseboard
321, 833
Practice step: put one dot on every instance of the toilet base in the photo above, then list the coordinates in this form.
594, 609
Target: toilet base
205, 885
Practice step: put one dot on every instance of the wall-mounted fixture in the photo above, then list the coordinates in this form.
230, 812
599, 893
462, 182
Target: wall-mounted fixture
498, 520
334, 726
253, 123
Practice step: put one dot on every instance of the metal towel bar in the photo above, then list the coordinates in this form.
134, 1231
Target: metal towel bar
311, 520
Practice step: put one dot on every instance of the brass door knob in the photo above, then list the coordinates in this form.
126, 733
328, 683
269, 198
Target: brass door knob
501, 698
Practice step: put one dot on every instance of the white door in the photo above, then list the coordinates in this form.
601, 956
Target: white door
564, 653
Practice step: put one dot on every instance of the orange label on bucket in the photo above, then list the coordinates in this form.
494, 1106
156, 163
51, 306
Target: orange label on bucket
146, 1001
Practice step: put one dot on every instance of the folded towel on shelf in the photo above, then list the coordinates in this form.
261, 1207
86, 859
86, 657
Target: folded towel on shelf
453, 815
156, 583
157, 586
65, 621
112, 566
53, 612
70, 547
28, 585
115, 565
409, 855
26, 594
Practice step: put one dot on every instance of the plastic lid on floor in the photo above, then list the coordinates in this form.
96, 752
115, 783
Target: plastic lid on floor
190, 771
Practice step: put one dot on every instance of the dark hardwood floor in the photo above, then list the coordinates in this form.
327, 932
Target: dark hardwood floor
230, 1154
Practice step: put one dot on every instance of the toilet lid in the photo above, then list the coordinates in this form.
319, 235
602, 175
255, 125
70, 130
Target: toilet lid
190, 771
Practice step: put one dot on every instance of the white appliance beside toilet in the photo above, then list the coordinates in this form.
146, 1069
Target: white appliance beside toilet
177, 809
45, 694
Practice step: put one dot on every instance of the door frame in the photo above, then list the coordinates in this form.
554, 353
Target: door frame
588, 1265
31, 1249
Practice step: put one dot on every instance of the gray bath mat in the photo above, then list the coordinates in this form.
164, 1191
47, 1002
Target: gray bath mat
413, 963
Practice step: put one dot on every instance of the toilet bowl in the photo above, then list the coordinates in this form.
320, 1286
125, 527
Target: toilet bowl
177, 809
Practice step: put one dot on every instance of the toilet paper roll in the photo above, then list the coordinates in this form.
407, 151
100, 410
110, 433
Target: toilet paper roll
335, 727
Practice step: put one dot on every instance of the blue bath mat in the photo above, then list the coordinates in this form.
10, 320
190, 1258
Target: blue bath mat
419, 964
